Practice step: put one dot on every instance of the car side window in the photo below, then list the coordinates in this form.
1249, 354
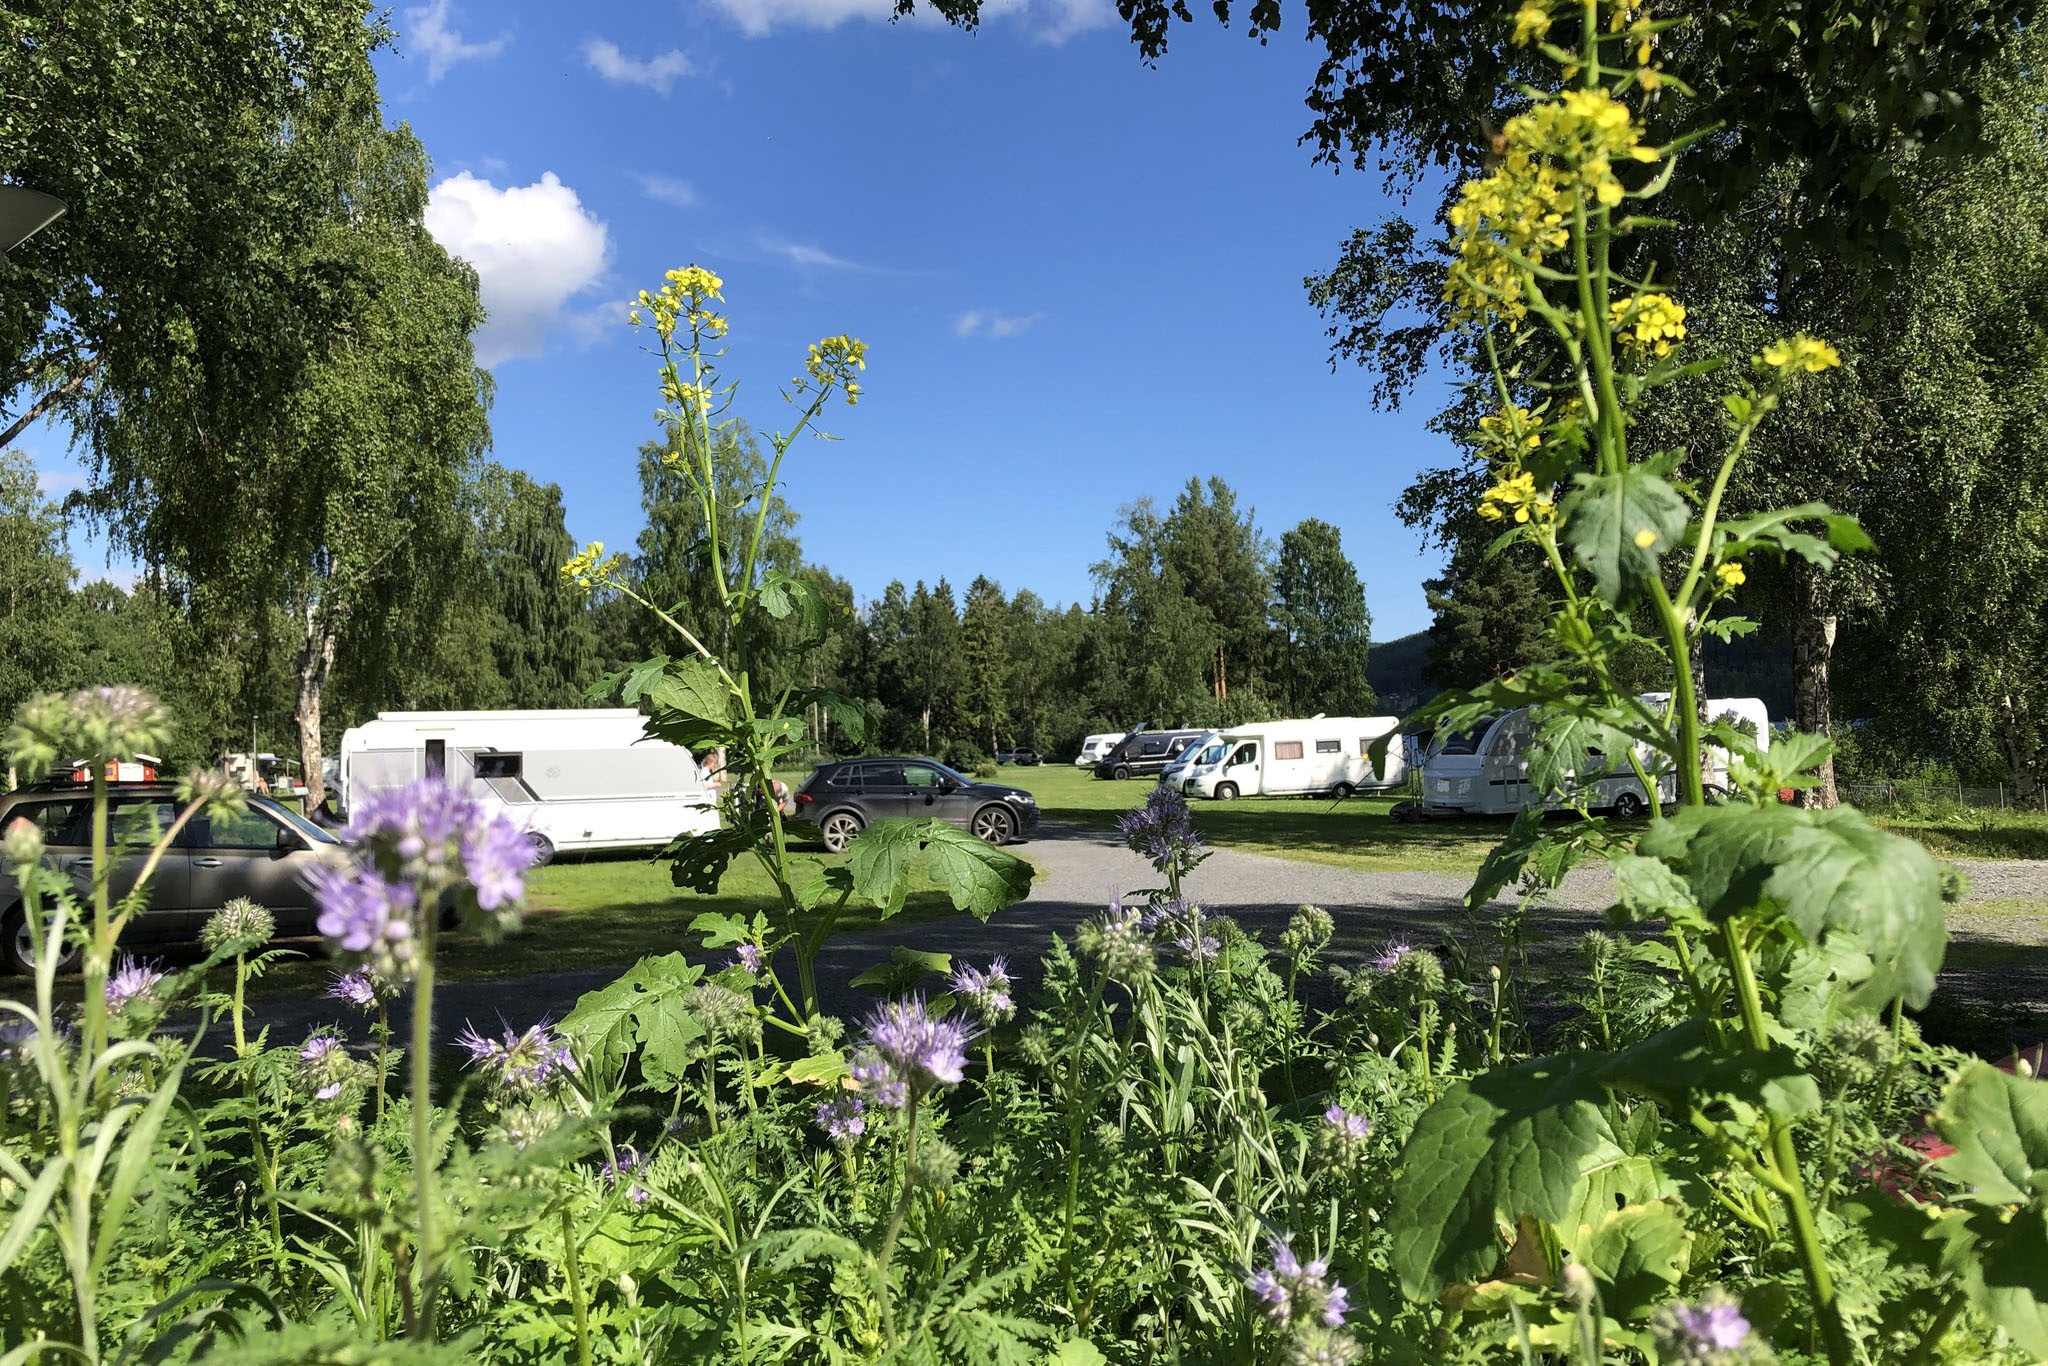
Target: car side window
881, 775
921, 779
243, 830
136, 823
53, 819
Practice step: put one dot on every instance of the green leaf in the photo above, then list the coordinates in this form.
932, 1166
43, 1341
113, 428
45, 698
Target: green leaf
821, 884
1680, 1067
1075, 1352
698, 862
850, 714
905, 969
1505, 860
719, 929
636, 682
978, 877
1828, 871
880, 863
1640, 1252
667, 1031
1508, 1142
819, 1069
1646, 889
1603, 517
691, 687
1737, 405
1572, 749
611, 1021
1999, 1125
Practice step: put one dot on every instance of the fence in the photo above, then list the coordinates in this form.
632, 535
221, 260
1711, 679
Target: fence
1919, 795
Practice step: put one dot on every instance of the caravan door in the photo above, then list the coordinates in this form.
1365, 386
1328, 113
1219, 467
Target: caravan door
1241, 773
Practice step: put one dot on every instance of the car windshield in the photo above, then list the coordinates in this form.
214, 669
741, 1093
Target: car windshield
1468, 742
296, 821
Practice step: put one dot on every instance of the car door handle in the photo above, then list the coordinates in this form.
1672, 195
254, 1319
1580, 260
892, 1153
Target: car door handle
206, 863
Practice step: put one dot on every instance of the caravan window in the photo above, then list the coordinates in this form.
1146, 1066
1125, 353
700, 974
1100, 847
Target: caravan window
1287, 749
1468, 742
1329, 746
497, 765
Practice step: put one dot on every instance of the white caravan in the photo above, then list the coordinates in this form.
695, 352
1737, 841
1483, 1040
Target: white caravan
1094, 747
1485, 771
572, 779
1324, 754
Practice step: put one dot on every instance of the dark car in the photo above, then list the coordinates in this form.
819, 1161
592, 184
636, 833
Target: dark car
1026, 757
844, 797
1145, 753
266, 853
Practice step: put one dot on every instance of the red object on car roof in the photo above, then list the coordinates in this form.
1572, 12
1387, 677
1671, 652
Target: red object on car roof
140, 769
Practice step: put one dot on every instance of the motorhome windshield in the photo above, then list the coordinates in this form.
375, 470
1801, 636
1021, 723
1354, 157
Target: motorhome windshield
1469, 741
1212, 755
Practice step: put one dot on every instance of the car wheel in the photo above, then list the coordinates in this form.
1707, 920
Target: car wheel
15, 945
840, 829
1342, 791
1628, 806
543, 848
1120, 772
994, 825
1226, 792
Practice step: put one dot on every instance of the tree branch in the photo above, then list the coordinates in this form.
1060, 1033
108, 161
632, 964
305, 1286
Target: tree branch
49, 401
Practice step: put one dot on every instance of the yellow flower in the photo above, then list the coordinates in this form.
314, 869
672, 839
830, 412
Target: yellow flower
1645, 539
837, 360
696, 282
1655, 322
1512, 430
1729, 572
1801, 352
1516, 496
1531, 23
591, 568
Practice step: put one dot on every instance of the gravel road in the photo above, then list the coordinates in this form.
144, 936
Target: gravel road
1994, 958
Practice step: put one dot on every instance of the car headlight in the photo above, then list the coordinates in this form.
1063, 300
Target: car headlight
1021, 798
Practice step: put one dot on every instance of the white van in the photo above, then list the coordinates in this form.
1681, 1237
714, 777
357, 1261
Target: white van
1094, 747
1176, 773
1323, 754
1485, 771
572, 779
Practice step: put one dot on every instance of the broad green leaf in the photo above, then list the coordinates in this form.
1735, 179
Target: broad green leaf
1075, 1352
979, 878
1640, 1252
1571, 749
698, 862
819, 1069
1680, 1067
2001, 1259
719, 929
1999, 1125
880, 864
1828, 871
1604, 517
1509, 1142
667, 1031
611, 1021
1504, 861
1648, 890
692, 687
821, 884
848, 713
641, 679
906, 968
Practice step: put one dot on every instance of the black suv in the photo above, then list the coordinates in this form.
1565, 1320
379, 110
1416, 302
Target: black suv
267, 852
1145, 753
844, 797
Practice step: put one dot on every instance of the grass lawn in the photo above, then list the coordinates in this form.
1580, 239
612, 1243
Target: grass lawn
1972, 833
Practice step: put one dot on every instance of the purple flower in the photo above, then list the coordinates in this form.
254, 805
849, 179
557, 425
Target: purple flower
354, 987
518, 1063
15, 1035
131, 980
363, 913
1163, 831
1703, 1334
750, 957
844, 1119
987, 994
907, 1053
1294, 1292
1389, 958
625, 1160
324, 1063
496, 855
1355, 1127
1199, 947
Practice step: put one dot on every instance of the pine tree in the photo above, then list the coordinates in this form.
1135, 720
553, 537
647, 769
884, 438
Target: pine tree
984, 658
1323, 624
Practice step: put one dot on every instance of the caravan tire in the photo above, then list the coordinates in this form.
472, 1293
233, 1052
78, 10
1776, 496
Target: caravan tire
543, 848
1226, 792
1628, 806
1342, 791
841, 828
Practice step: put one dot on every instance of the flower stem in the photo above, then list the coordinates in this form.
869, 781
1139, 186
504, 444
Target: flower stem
896, 1220
423, 1126
577, 1302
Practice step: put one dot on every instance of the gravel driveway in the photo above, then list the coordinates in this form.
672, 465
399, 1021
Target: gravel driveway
1995, 958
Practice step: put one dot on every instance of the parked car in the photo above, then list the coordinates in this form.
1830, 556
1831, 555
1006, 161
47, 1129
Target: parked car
1026, 757
266, 853
1145, 753
844, 797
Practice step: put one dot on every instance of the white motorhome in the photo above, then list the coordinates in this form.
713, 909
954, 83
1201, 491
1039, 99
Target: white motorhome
1176, 773
1323, 754
1094, 747
572, 779
1485, 770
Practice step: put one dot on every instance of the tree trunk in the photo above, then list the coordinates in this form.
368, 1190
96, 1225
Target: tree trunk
1813, 645
2023, 755
925, 719
316, 662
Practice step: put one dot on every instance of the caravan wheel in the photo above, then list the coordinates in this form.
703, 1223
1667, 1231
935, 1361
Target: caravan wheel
1628, 806
543, 848
1342, 791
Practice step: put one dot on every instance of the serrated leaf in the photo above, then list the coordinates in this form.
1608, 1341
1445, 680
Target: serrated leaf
1604, 515
1830, 871
880, 864
1508, 1142
691, 687
635, 682
1571, 750
905, 969
1648, 890
719, 929
1680, 1067
821, 884
978, 877
1503, 863
698, 862
1998, 1123
667, 1031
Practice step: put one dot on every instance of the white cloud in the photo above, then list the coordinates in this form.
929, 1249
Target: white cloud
986, 322
427, 28
535, 247
657, 73
673, 191
1052, 21
805, 256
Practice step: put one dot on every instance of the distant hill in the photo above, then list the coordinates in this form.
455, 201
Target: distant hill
1394, 668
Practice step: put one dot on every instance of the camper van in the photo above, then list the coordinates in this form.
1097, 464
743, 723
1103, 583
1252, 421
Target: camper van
1321, 755
1145, 753
1175, 774
1485, 770
1094, 747
572, 779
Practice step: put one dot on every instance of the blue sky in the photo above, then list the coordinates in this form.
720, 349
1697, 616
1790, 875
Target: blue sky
1079, 278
